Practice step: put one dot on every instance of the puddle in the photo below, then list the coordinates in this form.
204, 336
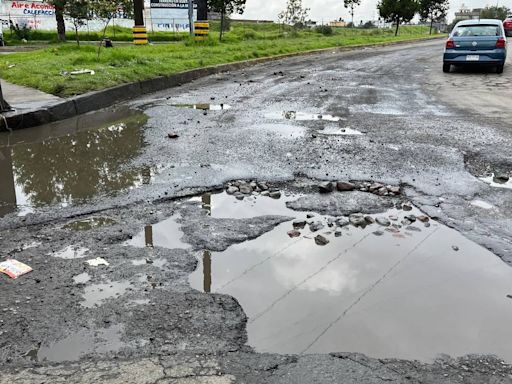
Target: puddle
302, 116
340, 131
166, 234
482, 204
70, 252
204, 107
496, 183
140, 301
71, 161
84, 342
82, 278
412, 292
96, 294
88, 224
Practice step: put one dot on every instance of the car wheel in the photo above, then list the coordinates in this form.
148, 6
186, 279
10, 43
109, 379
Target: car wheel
499, 68
446, 68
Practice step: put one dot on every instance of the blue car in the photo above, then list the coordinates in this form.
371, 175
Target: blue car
476, 42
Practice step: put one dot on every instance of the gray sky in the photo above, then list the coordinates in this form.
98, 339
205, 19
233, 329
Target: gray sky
328, 10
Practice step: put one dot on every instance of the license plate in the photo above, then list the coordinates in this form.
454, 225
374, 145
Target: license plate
472, 57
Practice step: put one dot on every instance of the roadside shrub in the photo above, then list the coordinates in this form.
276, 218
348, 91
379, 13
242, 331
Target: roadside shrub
22, 32
325, 30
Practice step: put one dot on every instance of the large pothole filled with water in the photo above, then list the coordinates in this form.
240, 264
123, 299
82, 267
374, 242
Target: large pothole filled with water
391, 284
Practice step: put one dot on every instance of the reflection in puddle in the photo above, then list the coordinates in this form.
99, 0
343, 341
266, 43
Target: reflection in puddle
96, 294
75, 346
302, 116
88, 224
204, 107
166, 234
497, 183
71, 161
71, 252
159, 263
396, 289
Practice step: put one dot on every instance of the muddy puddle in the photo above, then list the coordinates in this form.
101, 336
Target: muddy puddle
91, 223
71, 252
71, 161
409, 288
96, 294
83, 342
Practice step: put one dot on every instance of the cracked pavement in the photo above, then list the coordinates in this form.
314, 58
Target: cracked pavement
433, 134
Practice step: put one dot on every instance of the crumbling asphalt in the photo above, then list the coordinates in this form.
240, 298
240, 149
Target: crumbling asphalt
159, 330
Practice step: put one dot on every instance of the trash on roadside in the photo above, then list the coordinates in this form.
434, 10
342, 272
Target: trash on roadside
97, 262
11, 66
14, 268
83, 72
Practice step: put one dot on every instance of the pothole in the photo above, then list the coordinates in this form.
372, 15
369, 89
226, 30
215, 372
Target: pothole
204, 107
302, 116
498, 181
395, 284
95, 294
67, 162
340, 131
166, 234
81, 343
71, 252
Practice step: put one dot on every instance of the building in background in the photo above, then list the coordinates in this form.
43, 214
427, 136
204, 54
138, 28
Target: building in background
467, 14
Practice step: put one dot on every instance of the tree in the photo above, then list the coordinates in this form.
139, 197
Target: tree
295, 14
79, 11
397, 11
226, 8
495, 12
351, 4
59, 17
108, 9
202, 10
433, 11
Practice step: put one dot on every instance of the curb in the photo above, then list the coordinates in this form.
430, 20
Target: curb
95, 100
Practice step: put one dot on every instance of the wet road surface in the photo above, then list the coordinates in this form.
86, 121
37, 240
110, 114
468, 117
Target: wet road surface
118, 185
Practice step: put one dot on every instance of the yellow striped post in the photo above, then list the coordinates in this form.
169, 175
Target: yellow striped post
140, 35
201, 30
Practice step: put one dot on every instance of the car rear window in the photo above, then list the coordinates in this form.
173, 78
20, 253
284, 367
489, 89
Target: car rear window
477, 30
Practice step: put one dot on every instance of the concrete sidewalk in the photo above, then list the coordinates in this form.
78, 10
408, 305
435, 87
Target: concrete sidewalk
24, 98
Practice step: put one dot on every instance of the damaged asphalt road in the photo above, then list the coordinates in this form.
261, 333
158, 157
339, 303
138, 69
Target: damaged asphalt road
77, 191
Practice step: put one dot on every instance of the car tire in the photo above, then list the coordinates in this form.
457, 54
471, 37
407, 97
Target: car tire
446, 68
499, 69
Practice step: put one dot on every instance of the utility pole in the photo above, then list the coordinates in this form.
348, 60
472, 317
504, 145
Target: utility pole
202, 10
191, 16
140, 35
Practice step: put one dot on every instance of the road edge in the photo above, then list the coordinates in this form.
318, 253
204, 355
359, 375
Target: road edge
95, 100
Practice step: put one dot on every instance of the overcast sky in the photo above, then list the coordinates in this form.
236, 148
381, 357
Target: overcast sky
328, 10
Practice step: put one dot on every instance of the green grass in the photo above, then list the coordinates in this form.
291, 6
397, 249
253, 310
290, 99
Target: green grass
42, 69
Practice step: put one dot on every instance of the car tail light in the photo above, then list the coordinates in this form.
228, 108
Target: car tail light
450, 44
501, 43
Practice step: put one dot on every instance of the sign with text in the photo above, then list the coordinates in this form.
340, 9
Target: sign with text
176, 4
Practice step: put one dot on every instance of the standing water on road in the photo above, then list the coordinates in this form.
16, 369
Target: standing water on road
70, 161
404, 289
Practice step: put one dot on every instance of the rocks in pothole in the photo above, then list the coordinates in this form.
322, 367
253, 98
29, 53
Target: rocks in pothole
501, 178
242, 189
344, 186
321, 240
